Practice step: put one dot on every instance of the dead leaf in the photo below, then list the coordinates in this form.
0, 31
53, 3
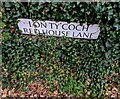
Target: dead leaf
55, 92
113, 95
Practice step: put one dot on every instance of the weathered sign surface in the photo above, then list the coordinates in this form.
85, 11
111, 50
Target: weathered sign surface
53, 28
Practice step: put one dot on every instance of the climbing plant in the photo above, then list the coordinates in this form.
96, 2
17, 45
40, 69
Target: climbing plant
77, 67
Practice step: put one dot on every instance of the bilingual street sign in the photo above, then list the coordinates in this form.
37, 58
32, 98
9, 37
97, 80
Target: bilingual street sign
58, 29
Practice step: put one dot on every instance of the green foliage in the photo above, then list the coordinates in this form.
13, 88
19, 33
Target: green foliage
79, 65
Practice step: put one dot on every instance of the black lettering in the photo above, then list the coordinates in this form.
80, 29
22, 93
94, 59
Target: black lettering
43, 25
73, 34
51, 25
44, 32
85, 28
57, 25
36, 24
67, 33
30, 24
79, 35
36, 31
91, 34
55, 32
78, 27
25, 30
51, 32
59, 33
30, 31
87, 35
63, 26
63, 32
72, 26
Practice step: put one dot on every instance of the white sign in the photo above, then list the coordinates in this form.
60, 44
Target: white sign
52, 28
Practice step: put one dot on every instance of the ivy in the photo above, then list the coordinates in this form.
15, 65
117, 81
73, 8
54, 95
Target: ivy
80, 66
